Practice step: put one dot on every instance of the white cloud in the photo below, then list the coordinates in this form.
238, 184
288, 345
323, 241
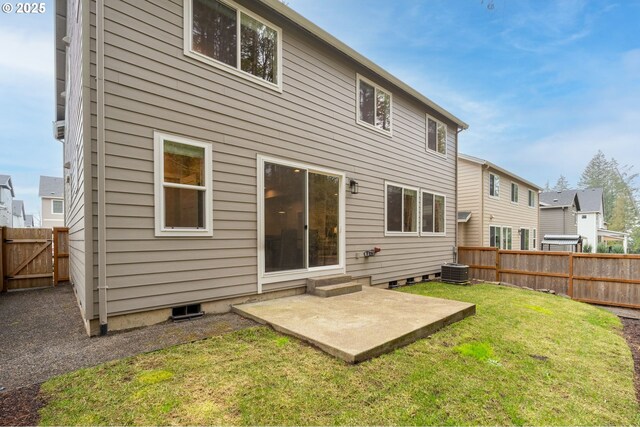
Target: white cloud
26, 52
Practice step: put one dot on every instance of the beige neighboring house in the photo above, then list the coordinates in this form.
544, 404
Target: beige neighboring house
218, 151
496, 208
51, 194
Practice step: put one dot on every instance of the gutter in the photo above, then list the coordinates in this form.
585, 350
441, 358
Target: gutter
102, 242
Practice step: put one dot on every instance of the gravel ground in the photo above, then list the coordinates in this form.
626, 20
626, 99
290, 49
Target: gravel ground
42, 335
624, 313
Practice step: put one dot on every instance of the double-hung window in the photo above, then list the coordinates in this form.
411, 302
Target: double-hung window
374, 106
514, 192
401, 209
436, 136
226, 35
494, 185
534, 240
433, 213
183, 204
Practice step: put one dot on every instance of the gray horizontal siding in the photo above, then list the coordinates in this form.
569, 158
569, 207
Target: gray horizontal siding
150, 85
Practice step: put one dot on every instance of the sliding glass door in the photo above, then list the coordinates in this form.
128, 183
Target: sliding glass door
301, 218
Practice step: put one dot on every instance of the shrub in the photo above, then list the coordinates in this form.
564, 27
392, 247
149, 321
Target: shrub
602, 248
587, 248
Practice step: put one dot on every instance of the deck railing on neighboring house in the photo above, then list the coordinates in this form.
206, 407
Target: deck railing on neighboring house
607, 279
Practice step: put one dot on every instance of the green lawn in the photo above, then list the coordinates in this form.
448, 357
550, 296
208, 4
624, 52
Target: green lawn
525, 358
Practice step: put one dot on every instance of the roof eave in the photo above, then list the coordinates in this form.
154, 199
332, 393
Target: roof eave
324, 36
484, 162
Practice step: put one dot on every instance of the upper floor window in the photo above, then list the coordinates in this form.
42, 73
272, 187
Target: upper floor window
433, 213
374, 106
401, 209
494, 185
514, 192
532, 199
436, 136
57, 206
228, 36
183, 186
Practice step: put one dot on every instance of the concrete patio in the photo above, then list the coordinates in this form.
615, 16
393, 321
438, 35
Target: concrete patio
358, 326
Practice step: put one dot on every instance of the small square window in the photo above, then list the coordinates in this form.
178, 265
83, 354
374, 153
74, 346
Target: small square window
57, 207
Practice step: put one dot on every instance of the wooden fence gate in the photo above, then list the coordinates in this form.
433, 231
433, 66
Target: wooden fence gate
60, 255
27, 259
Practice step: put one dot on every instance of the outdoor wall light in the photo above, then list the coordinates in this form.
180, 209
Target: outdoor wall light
353, 185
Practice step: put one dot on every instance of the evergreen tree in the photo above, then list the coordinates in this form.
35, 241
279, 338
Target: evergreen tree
546, 187
562, 184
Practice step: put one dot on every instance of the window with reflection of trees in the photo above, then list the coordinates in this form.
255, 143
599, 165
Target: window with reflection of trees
218, 28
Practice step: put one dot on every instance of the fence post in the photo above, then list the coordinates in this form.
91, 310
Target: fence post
570, 290
3, 284
498, 265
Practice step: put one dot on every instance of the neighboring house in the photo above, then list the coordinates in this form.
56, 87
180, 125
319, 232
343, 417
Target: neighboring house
51, 194
238, 150
578, 212
495, 207
6, 201
28, 221
18, 213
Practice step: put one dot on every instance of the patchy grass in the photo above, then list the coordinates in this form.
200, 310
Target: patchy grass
525, 358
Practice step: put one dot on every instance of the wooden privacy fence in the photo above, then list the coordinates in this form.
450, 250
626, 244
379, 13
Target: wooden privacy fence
607, 279
27, 258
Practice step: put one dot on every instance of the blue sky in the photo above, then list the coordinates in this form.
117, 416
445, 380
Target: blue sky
543, 84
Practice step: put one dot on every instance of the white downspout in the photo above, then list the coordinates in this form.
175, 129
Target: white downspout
102, 241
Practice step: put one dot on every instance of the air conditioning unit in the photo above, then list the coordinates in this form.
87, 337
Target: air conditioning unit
58, 130
455, 273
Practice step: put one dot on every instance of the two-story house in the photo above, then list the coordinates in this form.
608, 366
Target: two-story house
580, 213
6, 201
51, 192
496, 208
217, 151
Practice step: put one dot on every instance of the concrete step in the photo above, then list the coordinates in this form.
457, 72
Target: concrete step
326, 281
337, 289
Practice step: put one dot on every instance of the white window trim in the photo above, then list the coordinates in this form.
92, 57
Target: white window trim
431, 233
52, 210
502, 228
517, 202
528, 240
498, 177
446, 136
529, 199
188, 45
376, 87
418, 222
309, 272
160, 230
533, 240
